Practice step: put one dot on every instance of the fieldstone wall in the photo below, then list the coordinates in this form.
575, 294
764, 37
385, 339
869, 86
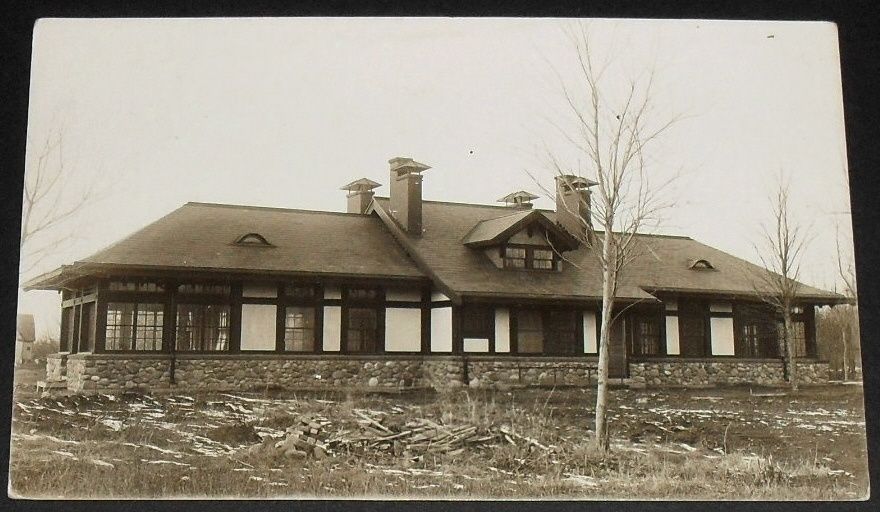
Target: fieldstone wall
113, 372
519, 371
116, 372
704, 372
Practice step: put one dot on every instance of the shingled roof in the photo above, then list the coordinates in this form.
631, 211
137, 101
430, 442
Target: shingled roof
202, 236
663, 265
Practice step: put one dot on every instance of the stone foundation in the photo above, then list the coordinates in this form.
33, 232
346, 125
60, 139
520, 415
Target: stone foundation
56, 366
706, 372
115, 372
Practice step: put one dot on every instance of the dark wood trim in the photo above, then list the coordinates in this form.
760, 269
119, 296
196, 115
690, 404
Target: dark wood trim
425, 345
280, 325
457, 339
235, 301
319, 327
64, 335
513, 313
169, 329
101, 326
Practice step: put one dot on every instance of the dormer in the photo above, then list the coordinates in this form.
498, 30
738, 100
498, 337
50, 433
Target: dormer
522, 240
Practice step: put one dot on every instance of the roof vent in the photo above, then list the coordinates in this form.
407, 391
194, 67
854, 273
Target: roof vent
700, 265
253, 240
520, 199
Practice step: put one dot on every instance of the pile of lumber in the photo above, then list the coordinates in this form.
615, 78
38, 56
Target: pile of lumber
307, 437
316, 436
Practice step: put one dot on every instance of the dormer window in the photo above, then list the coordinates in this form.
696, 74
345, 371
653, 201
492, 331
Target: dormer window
524, 257
701, 265
253, 239
514, 257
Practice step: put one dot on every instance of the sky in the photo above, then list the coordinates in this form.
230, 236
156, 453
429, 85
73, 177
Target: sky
282, 112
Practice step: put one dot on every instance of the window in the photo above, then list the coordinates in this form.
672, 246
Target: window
514, 257
135, 286
204, 289
542, 259
798, 339
253, 239
362, 332
363, 293
202, 327
530, 332
477, 322
132, 326
299, 329
299, 291
646, 336
756, 331
529, 257
701, 265
561, 332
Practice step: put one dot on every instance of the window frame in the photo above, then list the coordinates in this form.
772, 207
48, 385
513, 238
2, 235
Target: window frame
134, 326
286, 328
374, 301
203, 327
529, 257
636, 338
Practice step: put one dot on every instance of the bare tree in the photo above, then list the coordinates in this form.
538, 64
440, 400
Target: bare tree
49, 202
780, 249
846, 270
612, 137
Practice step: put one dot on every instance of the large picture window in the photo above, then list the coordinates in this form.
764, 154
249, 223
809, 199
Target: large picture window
202, 327
133, 326
299, 329
756, 332
362, 333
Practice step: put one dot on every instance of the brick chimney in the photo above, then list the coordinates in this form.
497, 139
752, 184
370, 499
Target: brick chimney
521, 199
406, 193
573, 204
360, 194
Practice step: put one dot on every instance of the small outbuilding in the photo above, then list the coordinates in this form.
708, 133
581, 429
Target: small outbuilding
25, 335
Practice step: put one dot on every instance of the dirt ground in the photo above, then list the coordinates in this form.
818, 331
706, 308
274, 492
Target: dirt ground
725, 443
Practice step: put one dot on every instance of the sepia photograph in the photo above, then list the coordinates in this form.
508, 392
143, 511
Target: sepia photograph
436, 259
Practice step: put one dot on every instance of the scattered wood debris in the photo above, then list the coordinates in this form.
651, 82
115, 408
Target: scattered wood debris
316, 436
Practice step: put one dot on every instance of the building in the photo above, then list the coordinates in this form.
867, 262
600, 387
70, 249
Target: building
25, 335
403, 292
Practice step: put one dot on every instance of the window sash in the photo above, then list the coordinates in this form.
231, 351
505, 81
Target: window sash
134, 326
202, 328
299, 329
362, 331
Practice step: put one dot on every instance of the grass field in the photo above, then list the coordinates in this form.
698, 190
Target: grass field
725, 443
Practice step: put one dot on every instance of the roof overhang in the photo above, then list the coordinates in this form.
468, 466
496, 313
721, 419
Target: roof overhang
831, 299
59, 278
